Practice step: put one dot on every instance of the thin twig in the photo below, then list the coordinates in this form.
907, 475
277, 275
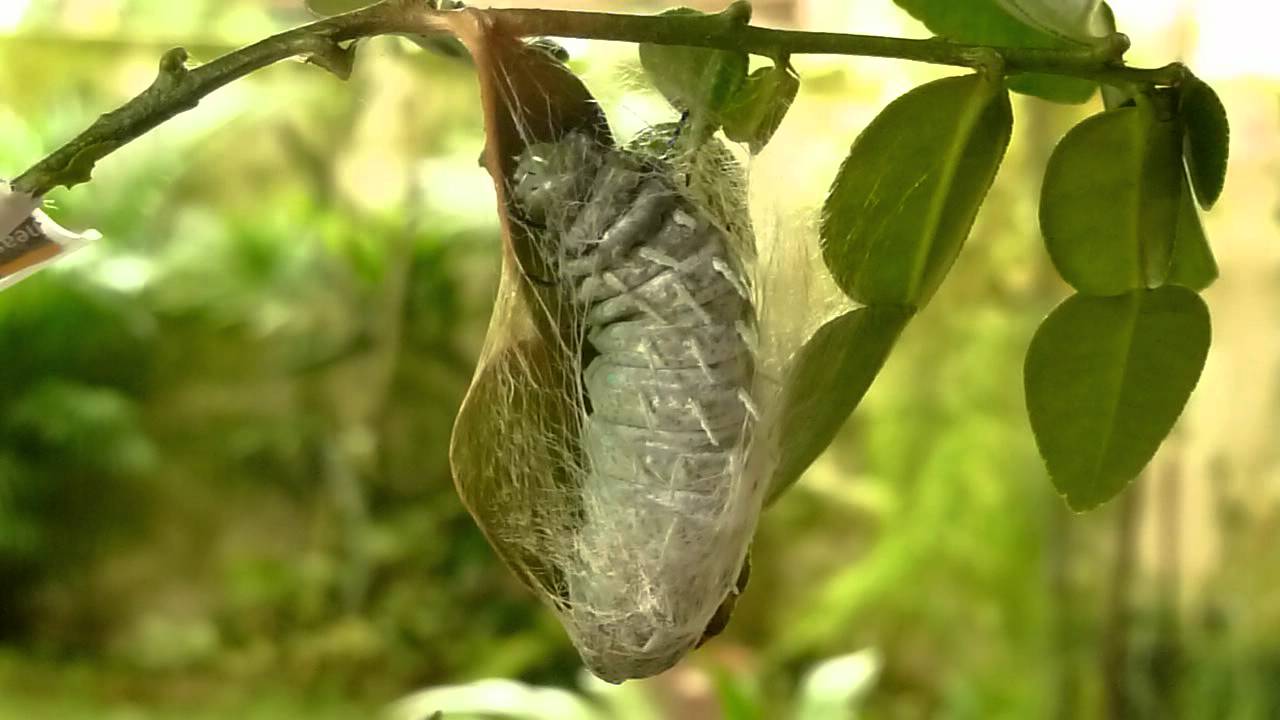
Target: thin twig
177, 89
728, 31
326, 42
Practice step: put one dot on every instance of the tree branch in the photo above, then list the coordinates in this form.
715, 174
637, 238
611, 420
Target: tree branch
177, 88
729, 30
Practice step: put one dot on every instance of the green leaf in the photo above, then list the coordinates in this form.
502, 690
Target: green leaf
1081, 21
700, 81
1193, 265
756, 111
1207, 139
905, 198
1055, 88
1106, 379
984, 22
826, 382
1109, 204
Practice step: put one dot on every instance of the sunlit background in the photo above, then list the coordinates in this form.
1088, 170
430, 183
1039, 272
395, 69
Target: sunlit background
224, 489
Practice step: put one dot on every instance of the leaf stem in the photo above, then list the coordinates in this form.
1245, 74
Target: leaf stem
177, 88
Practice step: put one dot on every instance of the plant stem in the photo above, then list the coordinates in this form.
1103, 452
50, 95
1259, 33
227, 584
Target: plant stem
177, 88
724, 31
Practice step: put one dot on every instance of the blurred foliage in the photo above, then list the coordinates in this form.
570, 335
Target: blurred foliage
835, 689
224, 485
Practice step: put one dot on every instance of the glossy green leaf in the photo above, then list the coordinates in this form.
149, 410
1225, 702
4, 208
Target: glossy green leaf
700, 81
1207, 139
1106, 378
1109, 204
756, 111
1193, 265
905, 198
826, 382
984, 22
1082, 21
1056, 88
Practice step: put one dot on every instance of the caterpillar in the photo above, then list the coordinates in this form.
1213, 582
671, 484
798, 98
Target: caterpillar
661, 311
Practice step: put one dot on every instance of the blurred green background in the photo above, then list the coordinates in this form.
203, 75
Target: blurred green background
224, 488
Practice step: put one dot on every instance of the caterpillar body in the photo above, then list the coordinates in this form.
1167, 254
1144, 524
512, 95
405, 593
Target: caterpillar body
661, 314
